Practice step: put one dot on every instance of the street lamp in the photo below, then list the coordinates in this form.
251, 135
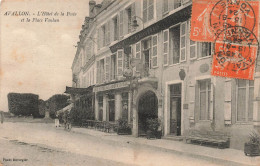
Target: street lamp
129, 75
135, 24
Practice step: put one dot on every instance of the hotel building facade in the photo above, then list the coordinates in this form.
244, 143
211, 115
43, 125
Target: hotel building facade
136, 60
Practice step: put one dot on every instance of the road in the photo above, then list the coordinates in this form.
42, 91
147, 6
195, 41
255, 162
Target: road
43, 144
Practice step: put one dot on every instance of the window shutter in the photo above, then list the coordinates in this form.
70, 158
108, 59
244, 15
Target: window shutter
154, 51
145, 10
108, 33
138, 50
211, 109
121, 23
98, 72
193, 46
192, 103
133, 14
227, 105
150, 10
197, 103
99, 37
183, 42
120, 63
107, 69
165, 47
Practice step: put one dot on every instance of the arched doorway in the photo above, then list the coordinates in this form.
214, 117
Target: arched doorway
147, 108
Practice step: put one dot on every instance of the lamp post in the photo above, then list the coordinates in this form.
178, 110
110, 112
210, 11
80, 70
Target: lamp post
128, 73
135, 24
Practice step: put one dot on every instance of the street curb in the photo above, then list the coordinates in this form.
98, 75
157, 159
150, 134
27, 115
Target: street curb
194, 155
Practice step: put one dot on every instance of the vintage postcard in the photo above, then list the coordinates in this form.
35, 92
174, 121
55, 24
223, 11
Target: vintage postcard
129, 82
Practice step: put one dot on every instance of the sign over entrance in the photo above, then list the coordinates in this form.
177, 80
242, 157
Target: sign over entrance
112, 86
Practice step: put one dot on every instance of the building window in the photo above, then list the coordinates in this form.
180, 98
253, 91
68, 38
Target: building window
148, 10
204, 49
102, 71
174, 45
116, 29
177, 3
146, 44
204, 99
111, 107
129, 19
245, 95
113, 67
103, 29
100, 108
165, 6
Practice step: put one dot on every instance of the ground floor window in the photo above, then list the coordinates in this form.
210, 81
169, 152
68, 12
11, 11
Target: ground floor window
245, 95
204, 98
111, 107
100, 108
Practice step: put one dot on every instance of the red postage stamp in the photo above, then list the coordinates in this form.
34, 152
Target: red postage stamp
235, 54
210, 17
233, 26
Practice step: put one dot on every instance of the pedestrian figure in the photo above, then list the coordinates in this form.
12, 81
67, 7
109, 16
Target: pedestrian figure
57, 123
2, 117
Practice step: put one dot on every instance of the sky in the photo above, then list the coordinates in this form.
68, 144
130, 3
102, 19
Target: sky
36, 57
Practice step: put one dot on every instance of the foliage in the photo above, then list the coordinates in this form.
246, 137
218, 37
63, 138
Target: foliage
55, 103
123, 124
153, 124
42, 107
78, 115
254, 138
24, 104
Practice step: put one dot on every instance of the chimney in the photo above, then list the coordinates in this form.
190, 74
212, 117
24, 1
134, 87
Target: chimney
92, 5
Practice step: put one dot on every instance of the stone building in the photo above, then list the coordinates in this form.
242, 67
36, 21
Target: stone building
138, 58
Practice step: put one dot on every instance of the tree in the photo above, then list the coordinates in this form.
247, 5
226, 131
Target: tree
57, 102
24, 104
42, 107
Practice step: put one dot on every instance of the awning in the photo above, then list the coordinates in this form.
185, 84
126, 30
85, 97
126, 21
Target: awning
67, 108
175, 18
71, 90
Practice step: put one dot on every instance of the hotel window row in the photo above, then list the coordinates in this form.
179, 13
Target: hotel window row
175, 41
116, 27
243, 100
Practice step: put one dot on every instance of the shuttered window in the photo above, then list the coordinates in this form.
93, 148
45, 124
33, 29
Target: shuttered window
102, 70
133, 14
165, 6
177, 3
98, 72
103, 35
205, 99
119, 63
121, 23
165, 47
183, 42
99, 38
108, 24
138, 50
154, 51
107, 69
148, 10
245, 98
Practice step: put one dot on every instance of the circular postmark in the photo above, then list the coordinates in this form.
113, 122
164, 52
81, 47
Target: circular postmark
230, 13
236, 49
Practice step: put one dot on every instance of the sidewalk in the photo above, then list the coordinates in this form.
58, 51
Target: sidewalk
225, 156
